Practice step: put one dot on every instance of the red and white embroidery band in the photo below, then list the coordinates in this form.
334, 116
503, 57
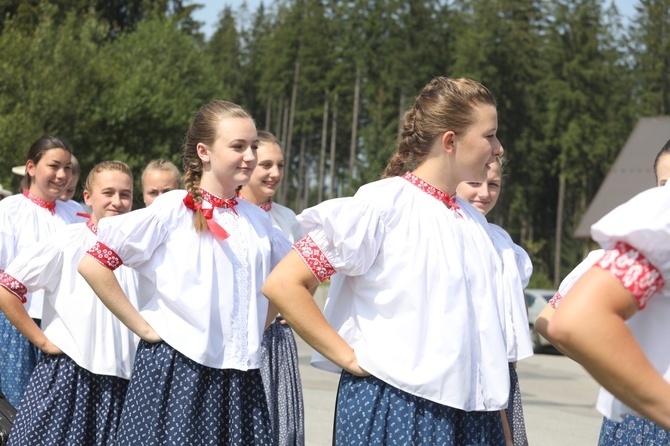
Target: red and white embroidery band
314, 258
433, 191
633, 271
105, 256
13, 286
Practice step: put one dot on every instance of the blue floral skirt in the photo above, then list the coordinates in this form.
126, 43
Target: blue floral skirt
631, 431
514, 411
172, 400
281, 379
65, 404
372, 412
18, 357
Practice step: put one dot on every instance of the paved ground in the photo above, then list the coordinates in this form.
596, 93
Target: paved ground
558, 398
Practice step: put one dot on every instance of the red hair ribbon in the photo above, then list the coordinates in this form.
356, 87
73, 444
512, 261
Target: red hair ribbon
213, 226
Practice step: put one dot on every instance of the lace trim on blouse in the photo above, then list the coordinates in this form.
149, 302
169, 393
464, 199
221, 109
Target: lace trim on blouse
103, 254
242, 288
13, 286
314, 258
632, 269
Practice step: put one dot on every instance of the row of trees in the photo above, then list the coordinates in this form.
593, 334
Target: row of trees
331, 79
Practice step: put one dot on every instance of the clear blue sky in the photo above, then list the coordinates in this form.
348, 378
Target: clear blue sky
210, 13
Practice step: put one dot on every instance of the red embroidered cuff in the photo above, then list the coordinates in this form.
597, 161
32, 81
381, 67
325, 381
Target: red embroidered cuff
13, 286
105, 256
556, 300
314, 258
633, 271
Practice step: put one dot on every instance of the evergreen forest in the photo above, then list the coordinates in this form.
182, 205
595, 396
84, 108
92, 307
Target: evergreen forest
122, 79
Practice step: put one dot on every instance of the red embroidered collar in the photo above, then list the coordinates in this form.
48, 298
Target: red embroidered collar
219, 202
267, 206
49, 206
215, 201
92, 227
432, 191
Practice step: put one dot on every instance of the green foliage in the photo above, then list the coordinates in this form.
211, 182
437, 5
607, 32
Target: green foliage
122, 80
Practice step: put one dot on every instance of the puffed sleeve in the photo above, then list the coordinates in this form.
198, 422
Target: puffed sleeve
280, 245
522, 259
131, 238
343, 235
636, 236
37, 267
7, 242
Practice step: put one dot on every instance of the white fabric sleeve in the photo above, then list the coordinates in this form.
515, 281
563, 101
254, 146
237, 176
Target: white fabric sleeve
134, 236
348, 231
40, 265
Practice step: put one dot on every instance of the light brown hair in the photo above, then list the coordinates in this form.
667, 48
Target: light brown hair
204, 129
444, 104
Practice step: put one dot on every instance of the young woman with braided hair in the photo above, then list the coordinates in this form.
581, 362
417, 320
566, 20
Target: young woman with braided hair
413, 320
202, 257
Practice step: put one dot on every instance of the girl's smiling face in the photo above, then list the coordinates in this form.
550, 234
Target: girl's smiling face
51, 175
483, 195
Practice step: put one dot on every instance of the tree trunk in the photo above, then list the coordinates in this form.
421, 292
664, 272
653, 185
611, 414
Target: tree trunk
268, 113
322, 155
280, 118
402, 107
291, 120
301, 174
333, 141
354, 128
559, 227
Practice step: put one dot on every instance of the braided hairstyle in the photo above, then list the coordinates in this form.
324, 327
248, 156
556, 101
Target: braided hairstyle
204, 129
444, 104
37, 151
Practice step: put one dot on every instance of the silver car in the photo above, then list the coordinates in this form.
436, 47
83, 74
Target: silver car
536, 300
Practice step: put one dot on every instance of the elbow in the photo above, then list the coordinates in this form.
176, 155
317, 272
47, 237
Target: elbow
558, 333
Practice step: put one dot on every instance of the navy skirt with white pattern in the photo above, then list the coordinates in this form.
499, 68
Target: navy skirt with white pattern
372, 412
514, 411
173, 400
631, 431
65, 404
283, 388
18, 357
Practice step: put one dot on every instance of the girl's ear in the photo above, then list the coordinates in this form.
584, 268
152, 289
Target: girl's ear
87, 198
448, 143
203, 152
30, 168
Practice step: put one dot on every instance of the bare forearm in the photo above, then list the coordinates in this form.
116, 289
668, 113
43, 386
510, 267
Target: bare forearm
19, 317
589, 325
291, 293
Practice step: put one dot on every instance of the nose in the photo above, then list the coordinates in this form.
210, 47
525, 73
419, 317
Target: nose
249, 155
274, 172
116, 200
500, 150
64, 174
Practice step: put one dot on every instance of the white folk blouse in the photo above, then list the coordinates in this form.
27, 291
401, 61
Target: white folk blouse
25, 220
202, 295
414, 291
285, 220
517, 270
636, 236
636, 241
74, 319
